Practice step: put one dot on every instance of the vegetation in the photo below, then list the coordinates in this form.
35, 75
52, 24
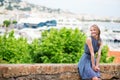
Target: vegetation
104, 56
6, 23
14, 22
14, 50
55, 46
59, 46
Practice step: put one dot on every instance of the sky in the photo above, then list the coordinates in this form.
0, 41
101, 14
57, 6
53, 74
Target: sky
92, 7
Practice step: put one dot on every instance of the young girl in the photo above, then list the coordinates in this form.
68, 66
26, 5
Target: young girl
89, 64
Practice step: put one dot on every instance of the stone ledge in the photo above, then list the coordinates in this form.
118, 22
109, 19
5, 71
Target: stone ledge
53, 71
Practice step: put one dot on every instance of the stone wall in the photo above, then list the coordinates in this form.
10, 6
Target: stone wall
53, 72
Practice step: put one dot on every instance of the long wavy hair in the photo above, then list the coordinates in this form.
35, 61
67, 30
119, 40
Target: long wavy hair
99, 32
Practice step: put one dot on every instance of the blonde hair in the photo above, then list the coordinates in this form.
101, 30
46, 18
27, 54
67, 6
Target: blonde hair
99, 32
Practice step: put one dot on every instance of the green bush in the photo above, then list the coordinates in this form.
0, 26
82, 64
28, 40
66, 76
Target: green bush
14, 50
104, 55
55, 46
59, 46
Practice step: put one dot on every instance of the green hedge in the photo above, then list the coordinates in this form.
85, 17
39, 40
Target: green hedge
14, 50
59, 46
104, 56
55, 46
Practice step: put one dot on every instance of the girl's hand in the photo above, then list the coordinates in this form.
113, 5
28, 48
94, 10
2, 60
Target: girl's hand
95, 68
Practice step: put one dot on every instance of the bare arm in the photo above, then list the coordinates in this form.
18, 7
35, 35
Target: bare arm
99, 54
90, 46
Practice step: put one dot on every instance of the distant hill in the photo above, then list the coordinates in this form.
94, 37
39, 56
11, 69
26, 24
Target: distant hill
25, 6
18, 7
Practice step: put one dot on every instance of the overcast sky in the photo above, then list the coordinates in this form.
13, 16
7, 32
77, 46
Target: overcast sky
95, 7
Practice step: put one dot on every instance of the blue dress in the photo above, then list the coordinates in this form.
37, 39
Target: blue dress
85, 64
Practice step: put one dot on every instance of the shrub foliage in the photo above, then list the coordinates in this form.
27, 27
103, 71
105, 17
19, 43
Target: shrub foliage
55, 46
14, 50
59, 46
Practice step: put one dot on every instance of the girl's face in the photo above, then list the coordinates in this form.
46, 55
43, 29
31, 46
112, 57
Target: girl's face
94, 31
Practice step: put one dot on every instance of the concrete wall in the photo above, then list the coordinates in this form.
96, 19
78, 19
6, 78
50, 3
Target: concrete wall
53, 72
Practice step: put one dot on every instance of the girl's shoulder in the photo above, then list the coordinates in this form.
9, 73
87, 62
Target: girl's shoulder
89, 38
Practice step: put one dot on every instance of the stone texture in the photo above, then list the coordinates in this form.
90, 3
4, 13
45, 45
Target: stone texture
53, 72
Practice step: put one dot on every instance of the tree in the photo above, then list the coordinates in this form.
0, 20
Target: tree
14, 22
6, 23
